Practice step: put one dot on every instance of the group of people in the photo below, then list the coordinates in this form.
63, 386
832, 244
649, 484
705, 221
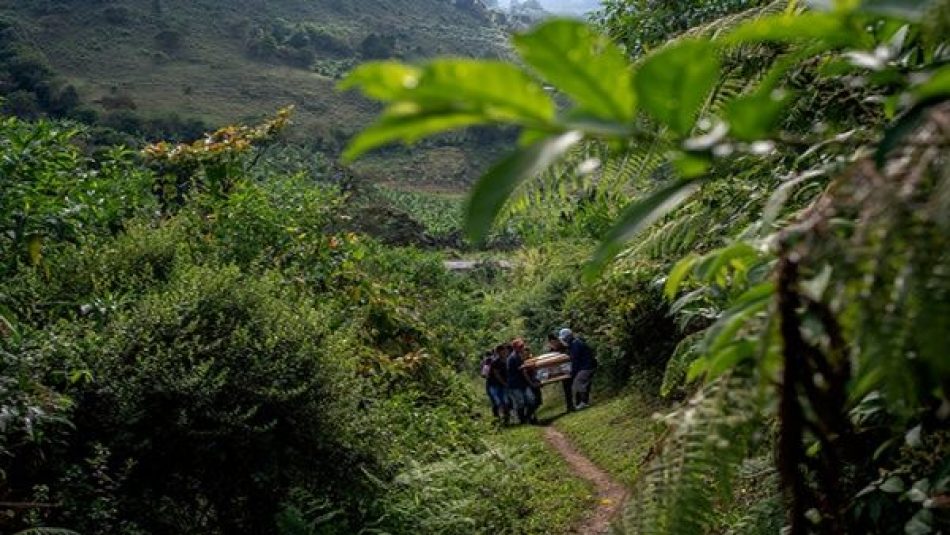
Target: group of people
512, 388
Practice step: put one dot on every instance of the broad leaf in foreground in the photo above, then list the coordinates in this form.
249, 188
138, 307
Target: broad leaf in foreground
584, 65
673, 84
445, 95
827, 28
407, 128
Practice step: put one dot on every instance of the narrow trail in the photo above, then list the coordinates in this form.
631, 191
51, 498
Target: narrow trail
611, 495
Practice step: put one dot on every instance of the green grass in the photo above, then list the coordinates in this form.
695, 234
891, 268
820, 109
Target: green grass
560, 499
615, 433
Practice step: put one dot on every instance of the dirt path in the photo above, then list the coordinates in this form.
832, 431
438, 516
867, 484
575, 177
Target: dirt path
610, 494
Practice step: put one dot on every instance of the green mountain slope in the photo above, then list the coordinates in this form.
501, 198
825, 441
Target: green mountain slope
227, 61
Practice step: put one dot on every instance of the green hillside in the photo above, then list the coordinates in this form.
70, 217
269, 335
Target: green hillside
225, 62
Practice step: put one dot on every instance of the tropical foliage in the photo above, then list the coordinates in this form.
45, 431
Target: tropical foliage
233, 361
741, 204
792, 163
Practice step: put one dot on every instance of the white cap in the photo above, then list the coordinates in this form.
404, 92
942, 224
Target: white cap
564, 334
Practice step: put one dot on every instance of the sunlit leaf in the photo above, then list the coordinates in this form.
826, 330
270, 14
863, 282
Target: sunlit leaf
691, 165
408, 129
383, 80
937, 86
673, 84
445, 95
715, 262
499, 90
828, 28
34, 249
638, 216
678, 274
494, 188
583, 64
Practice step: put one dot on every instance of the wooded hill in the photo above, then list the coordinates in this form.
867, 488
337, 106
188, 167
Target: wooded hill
157, 66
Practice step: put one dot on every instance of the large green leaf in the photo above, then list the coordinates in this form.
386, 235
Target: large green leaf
746, 306
673, 84
496, 89
936, 86
383, 80
407, 128
715, 364
914, 10
584, 65
496, 186
499, 90
638, 216
831, 29
678, 274
444, 95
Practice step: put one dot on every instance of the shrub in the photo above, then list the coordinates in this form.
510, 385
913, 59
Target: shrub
375, 46
213, 389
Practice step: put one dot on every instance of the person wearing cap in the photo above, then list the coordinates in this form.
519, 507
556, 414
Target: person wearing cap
583, 365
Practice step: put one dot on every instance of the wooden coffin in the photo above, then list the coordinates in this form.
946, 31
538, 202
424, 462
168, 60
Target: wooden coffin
549, 368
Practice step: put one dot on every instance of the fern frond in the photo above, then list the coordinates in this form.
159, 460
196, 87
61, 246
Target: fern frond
709, 438
685, 353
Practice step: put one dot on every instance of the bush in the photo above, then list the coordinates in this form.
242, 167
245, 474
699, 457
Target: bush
213, 390
375, 46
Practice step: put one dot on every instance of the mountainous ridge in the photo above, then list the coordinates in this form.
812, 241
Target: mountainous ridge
227, 62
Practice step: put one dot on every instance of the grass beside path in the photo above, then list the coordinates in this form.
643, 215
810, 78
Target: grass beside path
559, 498
615, 433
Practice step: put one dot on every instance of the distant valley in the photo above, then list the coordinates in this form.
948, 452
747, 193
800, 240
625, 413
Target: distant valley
135, 63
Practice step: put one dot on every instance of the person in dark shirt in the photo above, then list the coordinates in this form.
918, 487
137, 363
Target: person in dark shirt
519, 394
555, 346
583, 365
493, 370
533, 394
498, 382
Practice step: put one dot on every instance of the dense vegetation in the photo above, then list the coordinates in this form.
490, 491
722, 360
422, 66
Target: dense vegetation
783, 174
188, 349
742, 205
